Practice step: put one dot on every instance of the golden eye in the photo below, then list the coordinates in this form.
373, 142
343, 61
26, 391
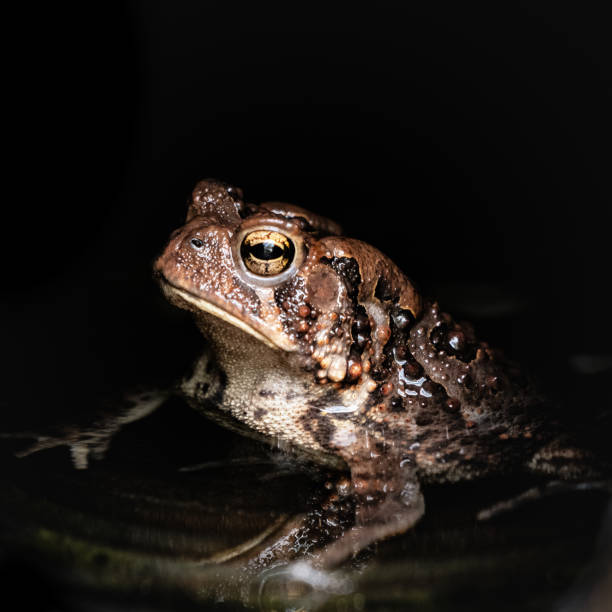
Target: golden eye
266, 252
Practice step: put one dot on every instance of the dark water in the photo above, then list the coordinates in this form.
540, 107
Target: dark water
139, 531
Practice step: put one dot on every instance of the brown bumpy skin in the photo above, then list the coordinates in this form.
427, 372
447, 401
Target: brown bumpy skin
339, 358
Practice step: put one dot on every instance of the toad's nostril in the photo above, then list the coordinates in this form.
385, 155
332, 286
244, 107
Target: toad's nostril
196, 243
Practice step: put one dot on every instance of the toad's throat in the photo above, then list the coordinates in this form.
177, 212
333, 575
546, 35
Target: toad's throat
188, 301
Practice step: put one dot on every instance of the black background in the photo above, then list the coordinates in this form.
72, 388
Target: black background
470, 143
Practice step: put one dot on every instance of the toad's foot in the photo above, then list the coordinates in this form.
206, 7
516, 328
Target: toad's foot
92, 441
554, 487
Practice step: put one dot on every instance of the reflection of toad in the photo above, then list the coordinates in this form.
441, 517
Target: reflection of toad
320, 343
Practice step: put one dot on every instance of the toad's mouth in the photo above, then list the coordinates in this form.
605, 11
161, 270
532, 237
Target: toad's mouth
196, 304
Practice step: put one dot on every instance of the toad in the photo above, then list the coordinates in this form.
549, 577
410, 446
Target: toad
320, 344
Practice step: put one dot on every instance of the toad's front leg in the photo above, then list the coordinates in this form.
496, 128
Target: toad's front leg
381, 499
387, 500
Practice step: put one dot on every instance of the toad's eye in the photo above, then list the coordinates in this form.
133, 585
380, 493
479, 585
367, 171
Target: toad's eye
266, 252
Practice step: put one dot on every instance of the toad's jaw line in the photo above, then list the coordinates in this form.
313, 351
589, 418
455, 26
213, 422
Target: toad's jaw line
205, 306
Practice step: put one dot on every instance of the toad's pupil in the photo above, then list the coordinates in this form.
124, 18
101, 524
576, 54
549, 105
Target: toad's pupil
266, 250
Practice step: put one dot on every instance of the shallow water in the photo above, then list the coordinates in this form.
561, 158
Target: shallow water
139, 529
